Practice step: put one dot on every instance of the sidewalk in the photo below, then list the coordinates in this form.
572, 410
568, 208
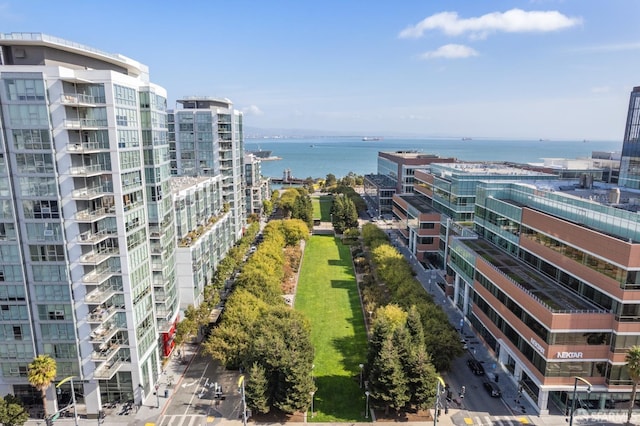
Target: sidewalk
153, 406
517, 403
429, 280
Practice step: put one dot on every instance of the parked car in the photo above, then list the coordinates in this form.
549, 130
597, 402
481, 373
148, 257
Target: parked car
492, 388
476, 367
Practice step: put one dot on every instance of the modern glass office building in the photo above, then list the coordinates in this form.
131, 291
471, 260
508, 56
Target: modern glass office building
630, 163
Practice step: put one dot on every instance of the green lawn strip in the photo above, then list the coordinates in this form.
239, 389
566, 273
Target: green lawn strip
325, 207
317, 209
327, 294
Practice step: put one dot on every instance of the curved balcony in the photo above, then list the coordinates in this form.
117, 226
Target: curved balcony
87, 147
96, 257
101, 315
105, 352
91, 237
90, 170
90, 193
85, 123
108, 369
92, 215
81, 99
99, 275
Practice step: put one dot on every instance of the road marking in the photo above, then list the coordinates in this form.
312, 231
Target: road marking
186, 410
523, 420
468, 420
186, 385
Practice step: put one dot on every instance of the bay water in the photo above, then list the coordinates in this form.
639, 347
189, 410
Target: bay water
318, 156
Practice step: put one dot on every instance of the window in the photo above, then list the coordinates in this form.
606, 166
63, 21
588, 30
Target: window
25, 90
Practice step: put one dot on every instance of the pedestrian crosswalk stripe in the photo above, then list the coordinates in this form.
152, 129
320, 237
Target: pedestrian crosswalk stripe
496, 420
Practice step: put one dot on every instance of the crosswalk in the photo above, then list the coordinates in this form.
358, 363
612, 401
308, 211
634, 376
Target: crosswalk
497, 421
184, 420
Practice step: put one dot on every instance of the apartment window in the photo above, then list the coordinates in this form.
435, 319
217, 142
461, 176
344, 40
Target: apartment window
41, 209
124, 95
25, 90
47, 253
31, 139
31, 186
28, 115
126, 117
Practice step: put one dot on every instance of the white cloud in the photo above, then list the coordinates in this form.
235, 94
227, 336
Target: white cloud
252, 110
511, 21
450, 51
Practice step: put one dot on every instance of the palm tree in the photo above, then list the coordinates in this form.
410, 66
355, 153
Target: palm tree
633, 367
41, 373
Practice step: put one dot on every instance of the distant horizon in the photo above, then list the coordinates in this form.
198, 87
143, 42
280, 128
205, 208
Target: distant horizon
255, 133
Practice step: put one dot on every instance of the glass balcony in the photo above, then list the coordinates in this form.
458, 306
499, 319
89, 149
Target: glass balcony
90, 193
108, 369
81, 99
87, 147
100, 275
105, 352
91, 170
85, 123
92, 215
100, 295
100, 315
95, 257
91, 237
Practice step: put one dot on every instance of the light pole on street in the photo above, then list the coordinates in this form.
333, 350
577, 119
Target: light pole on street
361, 367
312, 393
435, 410
573, 399
73, 396
366, 406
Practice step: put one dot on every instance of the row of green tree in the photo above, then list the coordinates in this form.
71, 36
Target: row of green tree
343, 214
399, 368
441, 339
260, 334
295, 203
351, 179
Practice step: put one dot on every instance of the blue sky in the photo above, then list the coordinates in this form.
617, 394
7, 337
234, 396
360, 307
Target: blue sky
553, 69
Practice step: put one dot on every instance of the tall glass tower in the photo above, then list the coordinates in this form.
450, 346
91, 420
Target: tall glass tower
630, 163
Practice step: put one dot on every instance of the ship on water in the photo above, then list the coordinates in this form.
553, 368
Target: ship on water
260, 153
371, 138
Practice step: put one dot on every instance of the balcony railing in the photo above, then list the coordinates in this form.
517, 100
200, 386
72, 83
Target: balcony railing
108, 369
91, 237
85, 123
100, 295
86, 147
105, 354
90, 193
98, 256
91, 215
93, 169
100, 315
80, 98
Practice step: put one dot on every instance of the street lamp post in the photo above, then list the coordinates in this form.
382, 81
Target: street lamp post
366, 406
361, 367
73, 397
244, 401
435, 408
157, 395
573, 399
312, 393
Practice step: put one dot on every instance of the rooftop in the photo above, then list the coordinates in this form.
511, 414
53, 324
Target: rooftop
487, 169
183, 182
382, 181
540, 287
420, 203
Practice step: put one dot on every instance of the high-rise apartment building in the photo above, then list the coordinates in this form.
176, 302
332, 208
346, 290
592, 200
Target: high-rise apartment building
87, 239
630, 163
206, 139
256, 186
